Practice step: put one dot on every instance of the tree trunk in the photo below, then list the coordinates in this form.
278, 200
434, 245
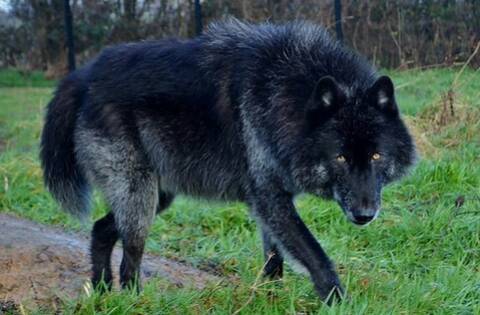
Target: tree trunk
198, 18
69, 35
338, 20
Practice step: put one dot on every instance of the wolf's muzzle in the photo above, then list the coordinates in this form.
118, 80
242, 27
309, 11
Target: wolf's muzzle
364, 216
362, 219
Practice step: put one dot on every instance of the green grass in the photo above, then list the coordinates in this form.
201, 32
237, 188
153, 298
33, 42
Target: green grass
420, 257
417, 89
14, 78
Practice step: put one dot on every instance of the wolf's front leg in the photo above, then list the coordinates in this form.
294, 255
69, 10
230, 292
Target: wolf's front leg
273, 268
275, 212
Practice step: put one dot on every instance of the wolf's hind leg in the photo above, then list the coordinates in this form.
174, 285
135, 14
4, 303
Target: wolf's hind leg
273, 259
165, 199
117, 165
135, 208
104, 237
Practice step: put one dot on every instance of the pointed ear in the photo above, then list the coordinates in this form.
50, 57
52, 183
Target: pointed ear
382, 95
326, 95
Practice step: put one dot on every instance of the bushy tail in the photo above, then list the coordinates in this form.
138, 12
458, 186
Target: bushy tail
62, 174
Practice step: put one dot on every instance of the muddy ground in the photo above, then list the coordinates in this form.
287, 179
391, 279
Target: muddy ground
39, 264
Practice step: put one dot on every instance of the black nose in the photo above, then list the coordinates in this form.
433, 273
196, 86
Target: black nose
363, 219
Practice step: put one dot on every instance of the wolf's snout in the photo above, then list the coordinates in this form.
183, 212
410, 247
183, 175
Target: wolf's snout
364, 216
363, 219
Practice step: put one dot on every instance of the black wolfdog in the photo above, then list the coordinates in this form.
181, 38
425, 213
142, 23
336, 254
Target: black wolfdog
256, 113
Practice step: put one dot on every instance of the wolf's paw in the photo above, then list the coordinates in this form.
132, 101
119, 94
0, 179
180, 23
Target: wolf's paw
328, 287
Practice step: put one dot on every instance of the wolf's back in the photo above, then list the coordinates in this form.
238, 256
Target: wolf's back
62, 174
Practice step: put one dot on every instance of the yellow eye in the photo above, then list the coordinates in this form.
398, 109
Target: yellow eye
341, 159
376, 156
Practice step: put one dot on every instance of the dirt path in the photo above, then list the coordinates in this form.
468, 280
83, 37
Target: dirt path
39, 263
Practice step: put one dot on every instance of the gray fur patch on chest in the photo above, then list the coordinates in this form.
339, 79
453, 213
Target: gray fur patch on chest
311, 179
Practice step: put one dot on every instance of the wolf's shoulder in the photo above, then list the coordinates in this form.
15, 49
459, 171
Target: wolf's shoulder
297, 48
240, 34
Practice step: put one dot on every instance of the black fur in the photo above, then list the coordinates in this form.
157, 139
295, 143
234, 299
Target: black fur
255, 113
104, 237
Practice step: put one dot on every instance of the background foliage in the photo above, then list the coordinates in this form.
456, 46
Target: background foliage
404, 34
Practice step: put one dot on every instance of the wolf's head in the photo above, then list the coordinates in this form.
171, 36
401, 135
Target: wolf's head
355, 144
